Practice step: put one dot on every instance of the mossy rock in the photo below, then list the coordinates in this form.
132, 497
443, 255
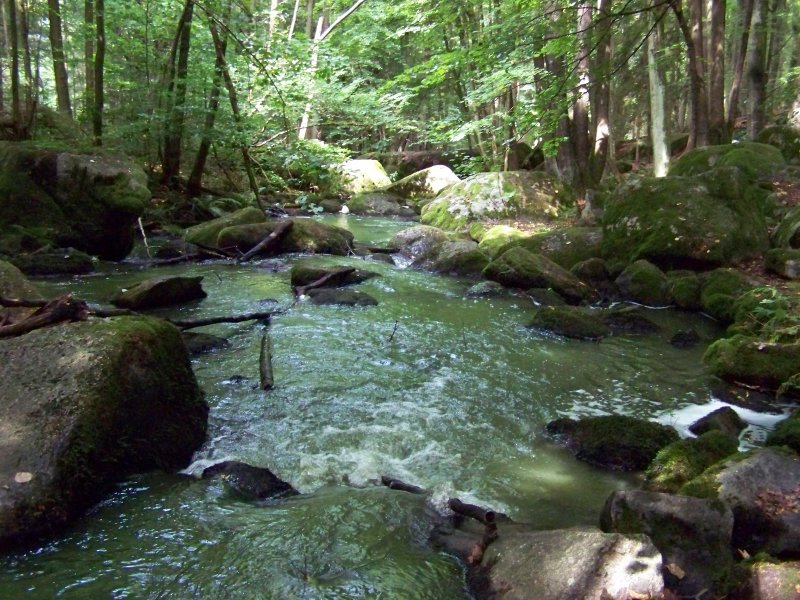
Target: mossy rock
490, 196
721, 288
424, 185
751, 361
418, 241
591, 271
160, 292
333, 296
331, 205
571, 322
303, 273
306, 235
677, 223
363, 175
522, 269
496, 238
645, 283
682, 461
543, 297
205, 234
565, 246
784, 262
61, 261
785, 138
13, 284
787, 234
628, 320
457, 257
379, 204
88, 202
754, 159
614, 442
684, 288
786, 433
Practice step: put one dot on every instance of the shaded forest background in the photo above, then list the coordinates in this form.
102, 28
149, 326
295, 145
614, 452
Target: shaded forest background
262, 95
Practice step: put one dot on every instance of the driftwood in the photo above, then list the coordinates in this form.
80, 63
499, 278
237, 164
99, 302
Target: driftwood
192, 323
396, 484
63, 308
281, 230
20, 303
473, 511
333, 277
265, 363
204, 254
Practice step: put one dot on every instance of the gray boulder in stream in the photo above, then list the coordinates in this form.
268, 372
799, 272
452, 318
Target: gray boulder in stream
84, 405
159, 292
249, 482
341, 297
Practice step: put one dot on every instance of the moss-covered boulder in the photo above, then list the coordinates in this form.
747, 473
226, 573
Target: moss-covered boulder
103, 399
205, 234
784, 262
424, 185
692, 534
615, 442
13, 284
751, 361
363, 175
305, 272
682, 461
159, 292
489, 196
684, 288
455, 257
565, 246
380, 204
628, 320
720, 290
306, 235
60, 261
416, 242
787, 234
88, 202
492, 240
571, 322
724, 419
645, 283
519, 268
785, 138
676, 223
772, 580
753, 159
786, 433
334, 296
249, 482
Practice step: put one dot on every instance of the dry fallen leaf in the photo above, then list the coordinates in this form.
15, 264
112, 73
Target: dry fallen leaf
23, 477
676, 570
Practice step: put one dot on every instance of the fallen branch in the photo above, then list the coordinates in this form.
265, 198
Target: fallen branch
20, 303
333, 276
396, 484
265, 363
202, 255
281, 230
473, 511
63, 308
192, 323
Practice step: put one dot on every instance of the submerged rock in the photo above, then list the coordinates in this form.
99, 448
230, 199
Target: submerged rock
416, 242
249, 482
343, 297
201, 343
628, 320
160, 292
615, 442
486, 289
379, 204
90, 403
571, 322
692, 534
685, 338
61, 261
303, 273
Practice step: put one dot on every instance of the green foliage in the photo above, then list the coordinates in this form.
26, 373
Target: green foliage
768, 313
307, 165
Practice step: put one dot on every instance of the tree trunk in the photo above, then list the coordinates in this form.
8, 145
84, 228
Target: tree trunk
27, 61
13, 40
737, 76
99, 59
173, 137
3, 51
776, 42
88, 55
303, 131
716, 80
59, 65
698, 131
601, 101
310, 19
293, 23
580, 107
756, 69
658, 134
273, 19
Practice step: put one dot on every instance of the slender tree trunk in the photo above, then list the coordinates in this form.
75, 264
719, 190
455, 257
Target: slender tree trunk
293, 23
59, 65
658, 134
88, 55
273, 19
99, 60
716, 71
737, 76
303, 132
310, 19
698, 132
173, 137
756, 69
13, 40
580, 108
3, 51
601, 101
27, 60
777, 38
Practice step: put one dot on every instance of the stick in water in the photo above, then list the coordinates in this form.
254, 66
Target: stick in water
265, 363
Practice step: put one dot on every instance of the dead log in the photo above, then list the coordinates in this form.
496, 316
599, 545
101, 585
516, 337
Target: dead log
192, 323
21, 303
265, 363
473, 511
63, 308
204, 254
281, 230
396, 484
333, 278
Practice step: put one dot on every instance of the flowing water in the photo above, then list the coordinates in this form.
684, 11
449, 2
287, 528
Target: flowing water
429, 387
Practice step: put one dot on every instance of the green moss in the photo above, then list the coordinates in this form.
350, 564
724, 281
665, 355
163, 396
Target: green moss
205, 234
753, 159
570, 322
721, 288
684, 289
784, 262
468, 264
706, 485
786, 433
684, 460
752, 361
439, 214
497, 238
783, 137
565, 246
787, 234
644, 282
477, 231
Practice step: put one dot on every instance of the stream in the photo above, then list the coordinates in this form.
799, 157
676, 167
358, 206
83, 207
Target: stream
429, 387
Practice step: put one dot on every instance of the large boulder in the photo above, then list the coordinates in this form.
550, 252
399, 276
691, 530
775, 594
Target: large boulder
363, 175
571, 322
496, 239
84, 405
249, 482
488, 196
784, 262
565, 246
645, 283
83, 201
380, 204
785, 138
205, 234
305, 272
418, 241
775, 581
519, 268
59, 261
753, 361
678, 222
692, 534
455, 257
614, 442
569, 564
762, 488
305, 235
159, 292
424, 185
753, 159
13, 284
